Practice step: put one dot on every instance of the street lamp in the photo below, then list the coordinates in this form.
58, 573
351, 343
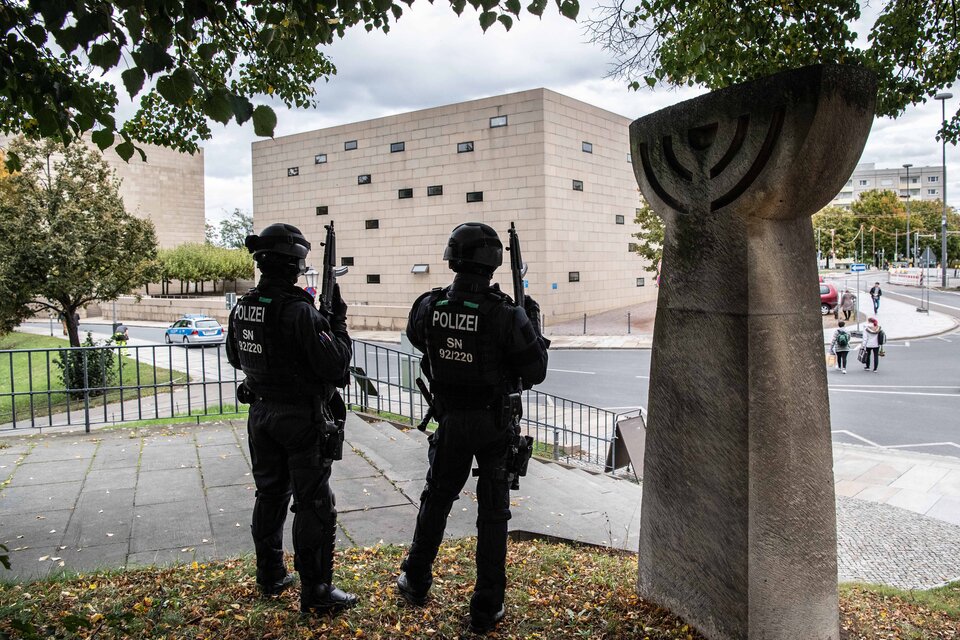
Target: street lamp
907, 167
311, 276
943, 97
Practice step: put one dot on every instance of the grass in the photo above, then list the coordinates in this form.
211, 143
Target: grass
554, 591
212, 414
37, 372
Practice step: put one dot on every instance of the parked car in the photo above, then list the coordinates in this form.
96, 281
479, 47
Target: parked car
195, 329
829, 299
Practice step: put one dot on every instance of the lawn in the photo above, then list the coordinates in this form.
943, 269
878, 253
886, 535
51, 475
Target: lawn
554, 591
36, 371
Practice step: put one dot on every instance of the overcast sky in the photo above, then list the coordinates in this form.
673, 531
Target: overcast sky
432, 58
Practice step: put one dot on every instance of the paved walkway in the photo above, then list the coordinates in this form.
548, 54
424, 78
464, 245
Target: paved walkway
124, 497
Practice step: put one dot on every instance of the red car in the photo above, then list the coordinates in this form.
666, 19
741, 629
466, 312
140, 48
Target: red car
829, 299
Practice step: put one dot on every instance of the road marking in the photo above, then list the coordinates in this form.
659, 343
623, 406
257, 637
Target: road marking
924, 444
939, 304
896, 386
944, 339
853, 435
642, 377
586, 373
901, 393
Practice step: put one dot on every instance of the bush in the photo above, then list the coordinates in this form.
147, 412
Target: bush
99, 365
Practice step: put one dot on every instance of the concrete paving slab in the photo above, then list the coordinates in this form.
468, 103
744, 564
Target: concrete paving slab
167, 557
29, 472
391, 525
38, 498
164, 454
225, 471
352, 466
920, 478
883, 473
947, 509
41, 531
231, 532
231, 498
916, 501
55, 448
361, 494
107, 556
26, 564
169, 485
217, 436
170, 524
879, 494
850, 468
117, 454
119, 478
100, 518
948, 485
850, 488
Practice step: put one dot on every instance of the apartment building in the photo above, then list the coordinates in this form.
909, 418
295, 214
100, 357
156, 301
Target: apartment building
396, 186
921, 183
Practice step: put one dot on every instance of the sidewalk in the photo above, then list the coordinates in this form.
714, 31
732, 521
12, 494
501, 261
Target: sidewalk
125, 497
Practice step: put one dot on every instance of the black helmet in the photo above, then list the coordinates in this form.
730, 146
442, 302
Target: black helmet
284, 239
474, 242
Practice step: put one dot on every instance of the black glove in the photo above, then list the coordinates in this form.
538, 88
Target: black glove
533, 312
338, 308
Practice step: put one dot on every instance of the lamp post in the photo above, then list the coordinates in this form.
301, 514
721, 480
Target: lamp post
311, 276
907, 167
943, 97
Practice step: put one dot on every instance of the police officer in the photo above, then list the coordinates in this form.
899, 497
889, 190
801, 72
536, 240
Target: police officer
294, 358
478, 347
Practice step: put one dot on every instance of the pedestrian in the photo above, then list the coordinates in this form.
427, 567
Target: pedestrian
294, 358
840, 346
848, 303
121, 334
478, 348
875, 294
873, 339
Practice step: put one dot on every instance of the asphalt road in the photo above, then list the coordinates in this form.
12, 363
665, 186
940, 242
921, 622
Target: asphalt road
911, 402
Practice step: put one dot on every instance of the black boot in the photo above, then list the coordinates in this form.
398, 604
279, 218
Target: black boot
324, 598
413, 594
485, 623
275, 587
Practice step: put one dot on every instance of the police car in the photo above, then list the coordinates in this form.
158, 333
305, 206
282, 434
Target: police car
195, 329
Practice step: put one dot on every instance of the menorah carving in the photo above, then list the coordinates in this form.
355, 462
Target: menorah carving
738, 524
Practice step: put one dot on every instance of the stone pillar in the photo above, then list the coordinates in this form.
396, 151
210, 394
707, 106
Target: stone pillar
738, 525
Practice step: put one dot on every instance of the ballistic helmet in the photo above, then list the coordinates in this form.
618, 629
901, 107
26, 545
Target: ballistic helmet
474, 243
280, 249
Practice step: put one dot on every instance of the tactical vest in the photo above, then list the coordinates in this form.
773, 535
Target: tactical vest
272, 365
465, 360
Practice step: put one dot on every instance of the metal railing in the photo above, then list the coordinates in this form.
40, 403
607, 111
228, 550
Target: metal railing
117, 384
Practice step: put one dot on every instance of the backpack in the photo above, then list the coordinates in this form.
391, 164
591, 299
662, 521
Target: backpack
881, 337
843, 339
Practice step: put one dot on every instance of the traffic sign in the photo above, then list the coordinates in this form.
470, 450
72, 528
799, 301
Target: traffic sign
857, 267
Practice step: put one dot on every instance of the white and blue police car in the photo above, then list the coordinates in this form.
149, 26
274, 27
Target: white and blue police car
195, 329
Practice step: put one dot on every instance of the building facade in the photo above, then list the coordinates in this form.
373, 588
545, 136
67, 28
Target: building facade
396, 186
921, 183
167, 189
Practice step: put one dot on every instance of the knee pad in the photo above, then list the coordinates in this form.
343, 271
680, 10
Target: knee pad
269, 498
490, 516
437, 494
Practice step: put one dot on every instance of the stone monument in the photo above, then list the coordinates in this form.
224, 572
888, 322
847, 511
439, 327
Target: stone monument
738, 524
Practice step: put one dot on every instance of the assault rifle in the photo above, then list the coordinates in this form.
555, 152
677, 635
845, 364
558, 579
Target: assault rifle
330, 269
520, 447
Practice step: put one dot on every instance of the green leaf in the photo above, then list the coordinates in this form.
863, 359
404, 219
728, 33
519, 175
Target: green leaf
489, 4
266, 36
153, 58
570, 9
125, 150
487, 18
105, 55
264, 121
513, 6
217, 106
242, 109
36, 33
458, 6
177, 87
102, 138
48, 123
13, 164
206, 51
536, 7
133, 80
505, 20
84, 121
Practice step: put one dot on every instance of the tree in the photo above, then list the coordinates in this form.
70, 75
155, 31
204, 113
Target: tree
650, 236
914, 47
67, 239
187, 60
235, 228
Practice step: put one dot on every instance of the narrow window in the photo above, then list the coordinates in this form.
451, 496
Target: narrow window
420, 268
619, 219
396, 147
498, 121
933, 178
372, 224
640, 282
587, 147
322, 211
346, 261
435, 190
349, 145
292, 172
578, 185
403, 194
465, 147
931, 192
364, 179
632, 247
574, 276
320, 158
475, 196
864, 183
373, 278
629, 158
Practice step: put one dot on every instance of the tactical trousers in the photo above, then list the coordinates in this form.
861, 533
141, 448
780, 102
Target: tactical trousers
286, 449
463, 435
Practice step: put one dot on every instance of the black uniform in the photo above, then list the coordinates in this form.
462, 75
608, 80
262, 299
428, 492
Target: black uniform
477, 347
293, 360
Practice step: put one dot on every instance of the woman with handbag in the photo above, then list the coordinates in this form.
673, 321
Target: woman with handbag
872, 342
